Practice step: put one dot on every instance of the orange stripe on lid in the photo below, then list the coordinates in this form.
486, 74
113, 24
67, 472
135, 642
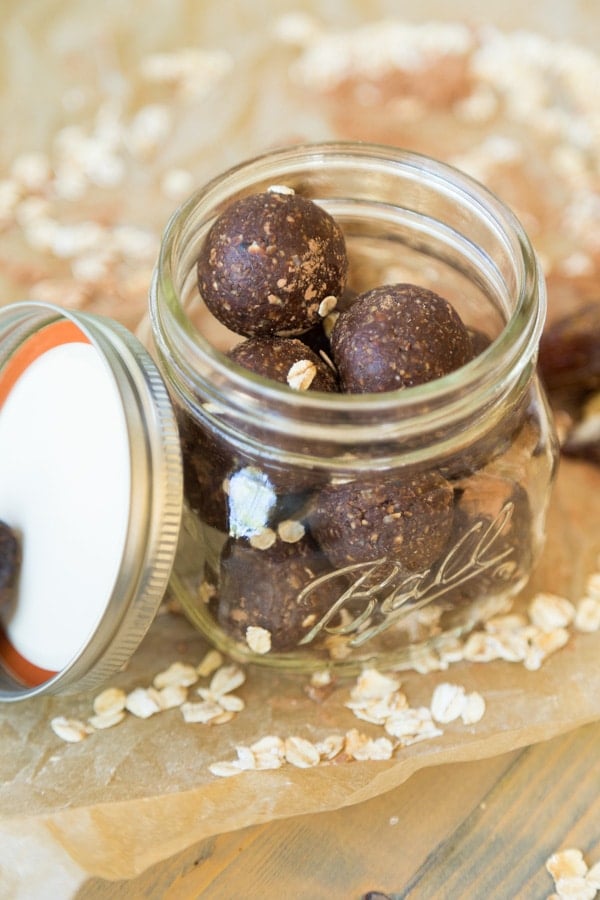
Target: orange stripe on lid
62, 332
26, 672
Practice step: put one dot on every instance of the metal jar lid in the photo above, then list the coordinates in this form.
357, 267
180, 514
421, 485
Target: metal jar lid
91, 483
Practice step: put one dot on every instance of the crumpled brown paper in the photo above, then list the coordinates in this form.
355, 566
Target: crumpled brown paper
127, 797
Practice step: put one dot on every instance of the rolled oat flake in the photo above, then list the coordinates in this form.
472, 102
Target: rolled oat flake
90, 482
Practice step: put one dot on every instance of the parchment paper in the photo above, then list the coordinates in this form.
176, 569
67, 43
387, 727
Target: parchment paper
128, 797
125, 798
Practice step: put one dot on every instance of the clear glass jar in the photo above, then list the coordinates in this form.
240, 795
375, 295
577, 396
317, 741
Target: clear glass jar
270, 472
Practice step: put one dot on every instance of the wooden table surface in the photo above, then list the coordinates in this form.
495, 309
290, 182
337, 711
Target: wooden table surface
469, 830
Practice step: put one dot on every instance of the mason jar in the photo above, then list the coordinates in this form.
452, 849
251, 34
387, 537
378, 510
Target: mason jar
276, 481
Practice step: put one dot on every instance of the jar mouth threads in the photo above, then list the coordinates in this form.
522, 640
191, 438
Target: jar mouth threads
454, 222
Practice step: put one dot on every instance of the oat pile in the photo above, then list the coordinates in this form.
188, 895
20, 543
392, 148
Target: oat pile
82, 208
81, 219
513, 109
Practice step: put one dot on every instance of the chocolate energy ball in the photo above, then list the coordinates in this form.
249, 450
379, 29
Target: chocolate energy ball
10, 558
207, 462
406, 520
286, 360
396, 336
569, 357
261, 588
271, 264
491, 538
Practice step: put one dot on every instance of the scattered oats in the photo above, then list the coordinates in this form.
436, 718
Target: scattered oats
148, 129
411, 725
301, 374
189, 70
70, 730
337, 646
227, 679
107, 719
204, 712
566, 864
448, 702
361, 747
231, 703
450, 650
301, 753
281, 189
480, 647
263, 539
473, 709
327, 360
480, 106
321, 679
111, 700
593, 876
172, 696
327, 305
9, 199
224, 769
61, 291
69, 184
329, 322
371, 685
379, 709
296, 28
575, 887
32, 209
587, 614
331, 746
549, 611
576, 264
376, 50
429, 661
290, 531
223, 718
206, 592
571, 875
592, 585
269, 751
143, 702
31, 170
134, 243
210, 663
91, 268
178, 674
245, 759
542, 644
177, 184
321, 685
258, 639
507, 622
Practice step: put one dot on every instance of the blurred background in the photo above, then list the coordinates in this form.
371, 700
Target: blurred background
115, 112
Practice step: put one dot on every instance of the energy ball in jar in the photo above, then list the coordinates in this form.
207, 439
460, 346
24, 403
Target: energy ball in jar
271, 263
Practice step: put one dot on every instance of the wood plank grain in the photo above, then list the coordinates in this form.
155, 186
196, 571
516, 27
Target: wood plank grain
472, 830
374, 845
550, 798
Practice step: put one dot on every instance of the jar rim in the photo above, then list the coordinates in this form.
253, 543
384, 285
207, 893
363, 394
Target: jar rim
509, 352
